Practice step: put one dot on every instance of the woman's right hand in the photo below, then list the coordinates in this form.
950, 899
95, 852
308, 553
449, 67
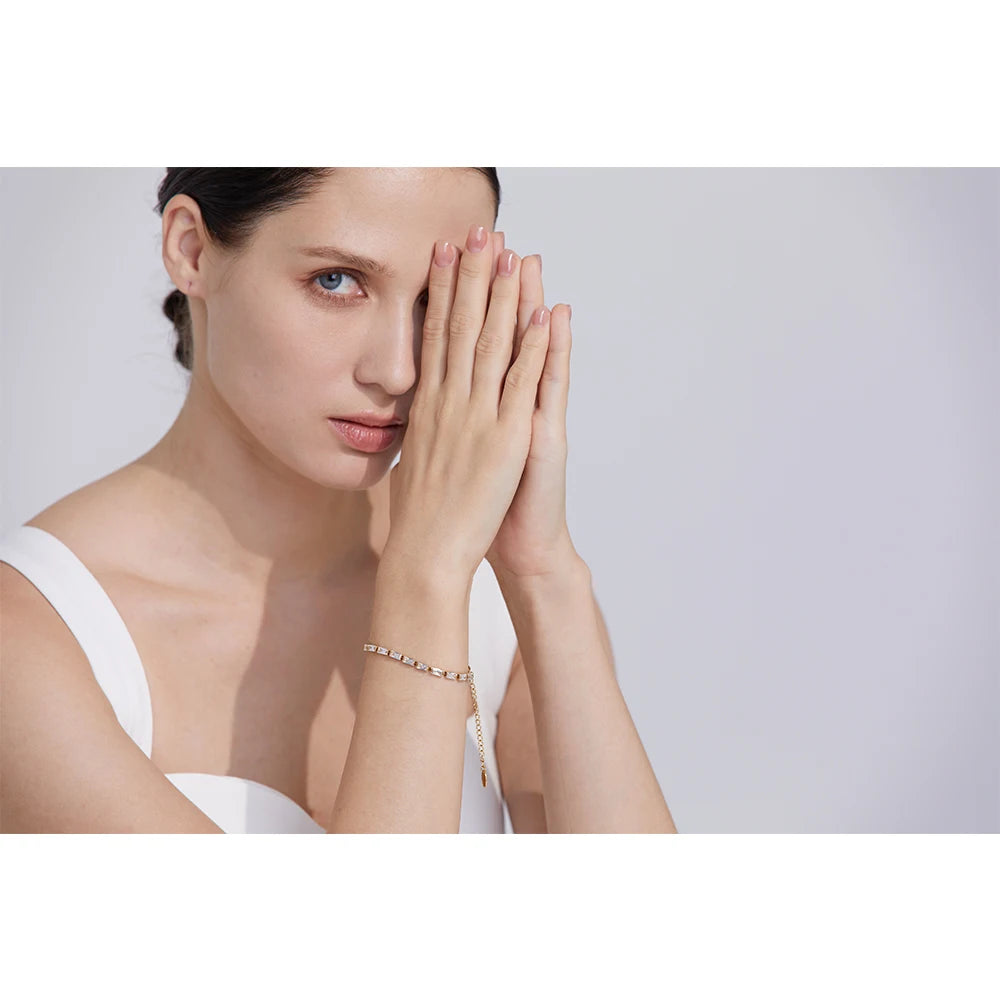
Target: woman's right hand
469, 427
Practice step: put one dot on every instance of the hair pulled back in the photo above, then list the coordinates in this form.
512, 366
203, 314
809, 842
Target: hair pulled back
233, 202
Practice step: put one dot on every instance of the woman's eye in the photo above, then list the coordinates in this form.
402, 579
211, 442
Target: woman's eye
336, 283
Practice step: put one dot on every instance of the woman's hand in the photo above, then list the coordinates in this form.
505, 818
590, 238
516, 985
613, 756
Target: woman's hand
533, 539
470, 422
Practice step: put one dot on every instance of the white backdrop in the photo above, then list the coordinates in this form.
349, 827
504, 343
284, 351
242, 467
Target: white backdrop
783, 433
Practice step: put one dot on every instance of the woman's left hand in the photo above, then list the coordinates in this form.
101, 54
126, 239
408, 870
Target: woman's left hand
533, 539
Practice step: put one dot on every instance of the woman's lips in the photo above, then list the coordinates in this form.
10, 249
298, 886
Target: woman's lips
364, 438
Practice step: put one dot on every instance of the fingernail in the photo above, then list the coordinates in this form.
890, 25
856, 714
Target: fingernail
507, 262
540, 316
444, 254
477, 238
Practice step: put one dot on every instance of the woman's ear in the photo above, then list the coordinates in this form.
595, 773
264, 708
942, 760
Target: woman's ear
183, 242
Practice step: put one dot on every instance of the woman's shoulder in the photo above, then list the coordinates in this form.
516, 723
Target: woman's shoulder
99, 522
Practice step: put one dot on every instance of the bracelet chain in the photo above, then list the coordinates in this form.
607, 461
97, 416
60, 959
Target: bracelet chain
452, 675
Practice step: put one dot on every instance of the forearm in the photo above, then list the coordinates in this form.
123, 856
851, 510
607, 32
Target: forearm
403, 772
596, 776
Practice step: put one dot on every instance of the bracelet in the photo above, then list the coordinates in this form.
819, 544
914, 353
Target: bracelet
451, 675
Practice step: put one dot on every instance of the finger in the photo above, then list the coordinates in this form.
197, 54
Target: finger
500, 247
497, 249
440, 294
532, 295
493, 350
521, 383
468, 310
553, 386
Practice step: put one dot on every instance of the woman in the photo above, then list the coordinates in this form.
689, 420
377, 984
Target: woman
243, 589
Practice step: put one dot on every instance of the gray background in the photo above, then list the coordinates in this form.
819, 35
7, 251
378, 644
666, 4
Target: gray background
783, 437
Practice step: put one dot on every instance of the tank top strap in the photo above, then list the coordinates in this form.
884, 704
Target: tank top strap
83, 604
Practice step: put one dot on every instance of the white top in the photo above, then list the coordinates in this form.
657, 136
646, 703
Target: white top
240, 805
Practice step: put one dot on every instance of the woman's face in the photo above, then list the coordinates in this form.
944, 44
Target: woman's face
296, 335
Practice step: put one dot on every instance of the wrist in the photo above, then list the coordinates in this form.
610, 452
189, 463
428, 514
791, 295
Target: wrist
420, 575
542, 607
566, 570
563, 587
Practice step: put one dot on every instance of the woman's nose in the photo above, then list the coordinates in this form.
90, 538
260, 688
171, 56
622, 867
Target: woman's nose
393, 351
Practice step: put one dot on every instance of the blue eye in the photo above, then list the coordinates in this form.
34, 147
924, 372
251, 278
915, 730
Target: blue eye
337, 283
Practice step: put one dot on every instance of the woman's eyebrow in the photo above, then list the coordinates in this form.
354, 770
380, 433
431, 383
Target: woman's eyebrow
349, 257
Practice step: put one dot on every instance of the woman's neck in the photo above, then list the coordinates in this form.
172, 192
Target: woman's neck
250, 522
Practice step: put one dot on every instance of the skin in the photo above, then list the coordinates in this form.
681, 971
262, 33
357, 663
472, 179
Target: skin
251, 500
265, 496
266, 491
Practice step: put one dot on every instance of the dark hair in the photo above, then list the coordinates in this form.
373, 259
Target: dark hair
233, 202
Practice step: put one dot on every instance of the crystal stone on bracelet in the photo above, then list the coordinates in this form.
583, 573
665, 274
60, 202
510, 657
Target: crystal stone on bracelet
452, 675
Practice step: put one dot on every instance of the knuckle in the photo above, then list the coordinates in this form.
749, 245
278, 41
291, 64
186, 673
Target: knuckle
502, 306
489, 343
506, 288
438, 283
434, 327
464, 322
517, 377
469, 266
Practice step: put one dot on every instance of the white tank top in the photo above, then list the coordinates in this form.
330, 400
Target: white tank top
240, 805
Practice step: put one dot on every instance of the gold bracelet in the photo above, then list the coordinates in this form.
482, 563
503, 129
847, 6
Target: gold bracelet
449, 675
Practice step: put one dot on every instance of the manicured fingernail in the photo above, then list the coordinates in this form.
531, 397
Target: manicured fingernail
540, 316
507, 262
444, 254
477, 238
